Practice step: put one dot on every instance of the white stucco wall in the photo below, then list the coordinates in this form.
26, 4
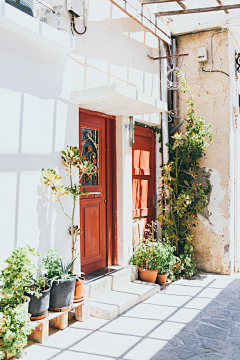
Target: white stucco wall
37, 120
35, 126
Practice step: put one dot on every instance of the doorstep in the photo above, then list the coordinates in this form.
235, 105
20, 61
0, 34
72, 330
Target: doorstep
114, 302
99, 285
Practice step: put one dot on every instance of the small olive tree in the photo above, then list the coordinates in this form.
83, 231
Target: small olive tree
71, 159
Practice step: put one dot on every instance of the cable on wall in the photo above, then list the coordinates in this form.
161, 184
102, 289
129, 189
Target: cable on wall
74, 27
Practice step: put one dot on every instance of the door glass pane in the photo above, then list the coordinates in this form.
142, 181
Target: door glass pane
90, 152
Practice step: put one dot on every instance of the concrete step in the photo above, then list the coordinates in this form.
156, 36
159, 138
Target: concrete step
110, 282
113, 303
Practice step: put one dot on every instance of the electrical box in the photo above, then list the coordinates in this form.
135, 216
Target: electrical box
75, 7
202, 54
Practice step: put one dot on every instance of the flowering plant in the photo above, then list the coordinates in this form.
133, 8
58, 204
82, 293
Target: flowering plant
17, 277
71, 158
14, 329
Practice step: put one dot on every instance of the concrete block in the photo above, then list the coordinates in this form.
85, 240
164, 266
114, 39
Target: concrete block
100, 286
60, 322
121, 277
40, 333
104, 311
142, 289
112, 304
83, 311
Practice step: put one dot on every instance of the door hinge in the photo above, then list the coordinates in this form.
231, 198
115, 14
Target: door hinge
154, 200
105, 200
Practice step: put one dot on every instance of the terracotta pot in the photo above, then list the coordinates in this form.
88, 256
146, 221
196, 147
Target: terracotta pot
79, 289
148, 275
8, 356
162, 279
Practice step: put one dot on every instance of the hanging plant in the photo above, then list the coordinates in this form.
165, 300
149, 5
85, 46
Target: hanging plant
182, 195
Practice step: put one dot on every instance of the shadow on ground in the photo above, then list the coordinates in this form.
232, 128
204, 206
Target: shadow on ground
197, 319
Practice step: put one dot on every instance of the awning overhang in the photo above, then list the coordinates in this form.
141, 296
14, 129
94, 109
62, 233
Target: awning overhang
117, 99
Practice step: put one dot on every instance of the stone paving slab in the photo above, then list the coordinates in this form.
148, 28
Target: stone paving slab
188, 320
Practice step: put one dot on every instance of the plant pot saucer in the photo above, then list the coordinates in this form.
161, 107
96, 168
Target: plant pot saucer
78, 300
35, 318
165, 283
63, 309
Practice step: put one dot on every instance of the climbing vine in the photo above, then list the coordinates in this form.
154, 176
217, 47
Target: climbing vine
182, 195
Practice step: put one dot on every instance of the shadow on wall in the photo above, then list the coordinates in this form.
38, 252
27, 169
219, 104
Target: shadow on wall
35, 127
116, 50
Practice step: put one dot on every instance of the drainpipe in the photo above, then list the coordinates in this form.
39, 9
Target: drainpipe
165, 132
175, 92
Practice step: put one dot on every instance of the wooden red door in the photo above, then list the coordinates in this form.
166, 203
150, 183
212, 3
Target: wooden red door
93, 206
143, 181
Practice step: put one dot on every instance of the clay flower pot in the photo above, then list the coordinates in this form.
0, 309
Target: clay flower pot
162, 279
79, 289
147, 275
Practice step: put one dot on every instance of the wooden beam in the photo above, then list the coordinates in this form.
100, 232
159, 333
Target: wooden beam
143, 16
156, 1
220, 3
201, 10
181, 4
166, 57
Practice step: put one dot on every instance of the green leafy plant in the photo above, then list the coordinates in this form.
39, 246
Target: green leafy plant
166, 258
14, 329
146, 255
55, 270
17, 277
182, 195
71, 159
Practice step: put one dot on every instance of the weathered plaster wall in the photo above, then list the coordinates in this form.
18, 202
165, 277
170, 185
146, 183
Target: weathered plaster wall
212, 100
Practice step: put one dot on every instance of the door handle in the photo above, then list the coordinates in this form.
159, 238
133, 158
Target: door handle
93, 193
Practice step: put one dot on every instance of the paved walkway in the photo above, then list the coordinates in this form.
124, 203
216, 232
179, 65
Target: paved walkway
197, 319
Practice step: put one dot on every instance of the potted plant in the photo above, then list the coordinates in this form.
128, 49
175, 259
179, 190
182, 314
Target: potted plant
17, 278
166, 261
145, 257
71, 159
14, 318
39, 299
14, 329
79, 289
61, 278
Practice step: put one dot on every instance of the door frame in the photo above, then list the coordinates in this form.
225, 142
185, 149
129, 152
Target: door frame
111, 183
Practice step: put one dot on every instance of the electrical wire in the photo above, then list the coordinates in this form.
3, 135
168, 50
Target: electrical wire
74, 27
210, 71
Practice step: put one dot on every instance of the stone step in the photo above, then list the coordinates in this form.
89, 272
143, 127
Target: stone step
110, 282
113, 303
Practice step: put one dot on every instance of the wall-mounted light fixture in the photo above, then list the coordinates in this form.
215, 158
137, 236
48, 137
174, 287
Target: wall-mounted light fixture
131, 130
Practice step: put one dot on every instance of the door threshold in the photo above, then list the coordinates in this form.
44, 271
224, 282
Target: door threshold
101, 273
